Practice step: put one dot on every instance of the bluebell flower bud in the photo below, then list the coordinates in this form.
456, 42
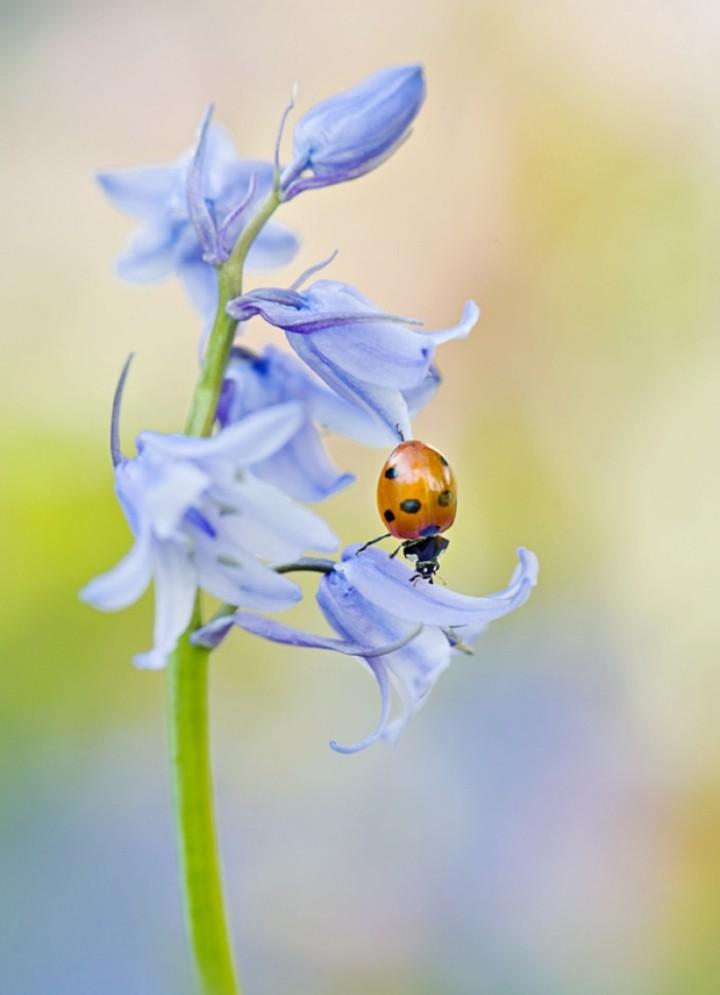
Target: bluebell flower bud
349, 134
405, 633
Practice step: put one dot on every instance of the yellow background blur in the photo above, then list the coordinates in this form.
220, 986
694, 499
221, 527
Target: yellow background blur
550, 821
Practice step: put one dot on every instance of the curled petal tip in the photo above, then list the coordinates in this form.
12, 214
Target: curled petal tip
115, 449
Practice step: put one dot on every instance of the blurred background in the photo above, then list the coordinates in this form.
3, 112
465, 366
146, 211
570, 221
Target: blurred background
549, 823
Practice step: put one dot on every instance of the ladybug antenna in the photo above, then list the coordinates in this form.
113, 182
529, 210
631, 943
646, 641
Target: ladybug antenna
115, 450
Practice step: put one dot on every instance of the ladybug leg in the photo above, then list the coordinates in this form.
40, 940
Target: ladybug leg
397, 550
373, 541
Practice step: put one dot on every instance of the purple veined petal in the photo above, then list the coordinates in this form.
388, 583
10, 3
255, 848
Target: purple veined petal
275, 246
277, 632
246, 442
378, 353
387, 582
384, 403
302, 468
239, 579
142, 193
309, 182
175, 589
150, 255
125, 582
268, 523
202, 220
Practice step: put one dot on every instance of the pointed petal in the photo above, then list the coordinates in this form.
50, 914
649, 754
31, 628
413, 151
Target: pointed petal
268, 523
468, 320
275, 246
246, 442
125, 582
302, 468
387, 582
143, 193
175, 589
240, 579
380, 673
201, 283
200, 216
150, 255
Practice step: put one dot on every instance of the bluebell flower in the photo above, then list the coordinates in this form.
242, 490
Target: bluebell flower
216, 184
351, 133
406, 633
201, 519
302, 467
370, 358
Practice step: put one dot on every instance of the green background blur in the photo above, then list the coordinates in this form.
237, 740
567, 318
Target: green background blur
550, 822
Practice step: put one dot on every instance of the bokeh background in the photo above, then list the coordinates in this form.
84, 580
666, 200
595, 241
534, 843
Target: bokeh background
550, 822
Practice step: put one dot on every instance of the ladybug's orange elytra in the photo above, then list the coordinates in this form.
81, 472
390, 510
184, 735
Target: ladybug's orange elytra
416, 492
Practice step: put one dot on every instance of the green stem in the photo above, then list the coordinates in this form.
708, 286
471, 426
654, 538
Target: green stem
188, 684
230, 277
192, 783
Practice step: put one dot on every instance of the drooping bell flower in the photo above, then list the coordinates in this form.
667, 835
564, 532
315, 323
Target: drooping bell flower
405, 630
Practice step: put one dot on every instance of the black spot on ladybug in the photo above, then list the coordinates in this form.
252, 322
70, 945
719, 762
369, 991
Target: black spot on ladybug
445, 498
410, 505
388, 516
391, 473
443, 460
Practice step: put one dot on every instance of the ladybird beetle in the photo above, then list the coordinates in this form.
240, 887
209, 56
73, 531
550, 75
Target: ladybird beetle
417, 500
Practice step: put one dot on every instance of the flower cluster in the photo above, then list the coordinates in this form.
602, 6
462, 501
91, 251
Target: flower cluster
219, 513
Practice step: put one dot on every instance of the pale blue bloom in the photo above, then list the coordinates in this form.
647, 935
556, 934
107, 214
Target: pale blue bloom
351, 133
405, 632
302, 467
201, 519
176, 205
370, 358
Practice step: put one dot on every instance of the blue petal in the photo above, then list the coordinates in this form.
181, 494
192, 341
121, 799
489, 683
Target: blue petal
249, 441
125, 582
385, 581
387, 404
174, 599
239, 579
201, 283
150, 255
275, 246
143, 193
157, 494
302, 468
268, 523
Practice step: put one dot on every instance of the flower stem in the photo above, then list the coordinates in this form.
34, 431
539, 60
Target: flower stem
192, 783
188, 683
230, 277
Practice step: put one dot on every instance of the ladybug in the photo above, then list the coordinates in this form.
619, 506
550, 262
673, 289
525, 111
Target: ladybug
417, 500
